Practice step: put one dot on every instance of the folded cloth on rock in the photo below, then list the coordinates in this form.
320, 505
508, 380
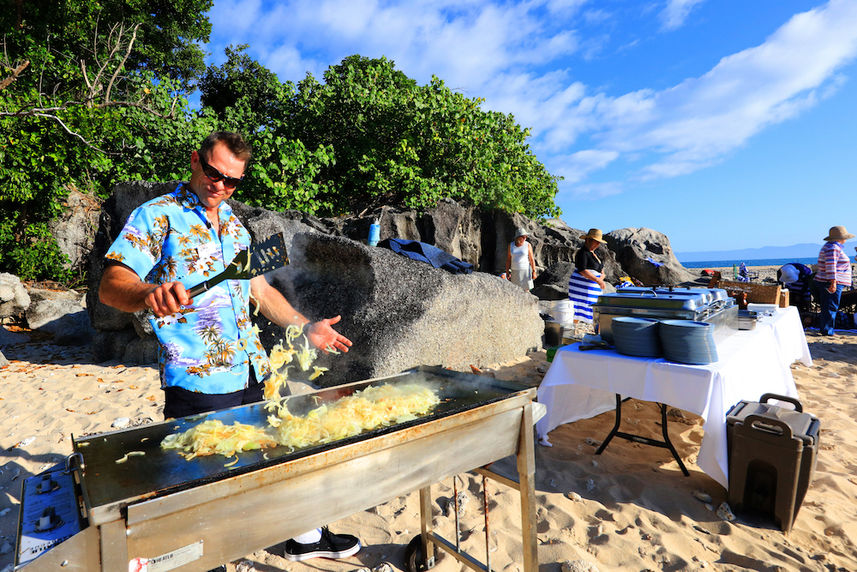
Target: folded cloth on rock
654, 262
427, 253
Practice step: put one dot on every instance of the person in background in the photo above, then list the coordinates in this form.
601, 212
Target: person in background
586, 283
797, 279
520, 264
210, 357
833, 274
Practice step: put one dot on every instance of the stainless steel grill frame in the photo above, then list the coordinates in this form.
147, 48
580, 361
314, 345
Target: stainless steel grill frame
222, 520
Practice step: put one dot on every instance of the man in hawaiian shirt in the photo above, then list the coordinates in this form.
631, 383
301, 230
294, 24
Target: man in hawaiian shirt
210, 356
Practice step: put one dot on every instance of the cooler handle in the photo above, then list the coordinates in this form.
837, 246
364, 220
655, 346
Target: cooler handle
736, 409
768, 425
793, 400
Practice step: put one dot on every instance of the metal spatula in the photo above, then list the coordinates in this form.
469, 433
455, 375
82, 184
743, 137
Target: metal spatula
258, 259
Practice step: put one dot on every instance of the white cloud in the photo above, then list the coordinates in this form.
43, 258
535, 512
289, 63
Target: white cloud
579, 165
703, 118
676, 12
518, 56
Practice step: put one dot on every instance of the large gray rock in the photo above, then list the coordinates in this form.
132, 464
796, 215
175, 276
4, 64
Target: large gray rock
114, 213
646, 255
60, 313
74, 230
124, 346
14, 299
473, 235
401, 313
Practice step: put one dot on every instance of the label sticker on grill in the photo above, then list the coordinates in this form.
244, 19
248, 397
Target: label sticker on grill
168, 561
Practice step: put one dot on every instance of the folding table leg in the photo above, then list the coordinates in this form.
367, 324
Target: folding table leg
666, 443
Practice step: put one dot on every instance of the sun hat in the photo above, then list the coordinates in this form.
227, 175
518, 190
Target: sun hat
838, 232
594, 234
521, 231
788, 274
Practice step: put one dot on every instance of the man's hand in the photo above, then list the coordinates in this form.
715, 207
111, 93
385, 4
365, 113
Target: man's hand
167, 299
121, 288
322, 335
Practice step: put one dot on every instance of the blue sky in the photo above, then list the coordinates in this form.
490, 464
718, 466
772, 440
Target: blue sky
723, 124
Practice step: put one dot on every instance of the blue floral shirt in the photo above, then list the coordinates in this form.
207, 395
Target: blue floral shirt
207, 346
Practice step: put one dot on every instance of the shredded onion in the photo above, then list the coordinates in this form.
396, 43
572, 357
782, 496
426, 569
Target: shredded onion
365, 410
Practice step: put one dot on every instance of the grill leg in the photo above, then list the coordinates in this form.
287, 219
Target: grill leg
426, 525
526, 478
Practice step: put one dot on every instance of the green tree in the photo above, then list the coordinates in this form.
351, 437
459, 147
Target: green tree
369, 136
80, 107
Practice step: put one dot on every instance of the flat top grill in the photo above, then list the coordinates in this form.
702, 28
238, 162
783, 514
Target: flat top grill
159, 472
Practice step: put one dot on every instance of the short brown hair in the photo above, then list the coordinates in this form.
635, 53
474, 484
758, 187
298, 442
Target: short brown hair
233, 141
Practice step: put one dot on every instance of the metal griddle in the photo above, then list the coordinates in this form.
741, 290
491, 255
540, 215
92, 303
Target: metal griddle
193, 515
160, 471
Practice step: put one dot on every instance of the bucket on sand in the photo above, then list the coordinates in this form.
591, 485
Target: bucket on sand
560, 311
564, 313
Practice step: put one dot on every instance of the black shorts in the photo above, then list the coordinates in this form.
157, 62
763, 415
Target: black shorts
180, 402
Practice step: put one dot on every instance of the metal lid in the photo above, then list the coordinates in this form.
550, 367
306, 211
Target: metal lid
650, 298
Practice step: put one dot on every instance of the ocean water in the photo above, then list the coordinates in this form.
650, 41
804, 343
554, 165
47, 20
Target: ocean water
748, 262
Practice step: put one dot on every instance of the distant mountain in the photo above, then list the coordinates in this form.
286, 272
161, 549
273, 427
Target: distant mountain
803, 250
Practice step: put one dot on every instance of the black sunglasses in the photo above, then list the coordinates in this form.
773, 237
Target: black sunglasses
215, 176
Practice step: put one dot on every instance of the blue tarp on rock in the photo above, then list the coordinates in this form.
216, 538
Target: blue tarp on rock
427, 253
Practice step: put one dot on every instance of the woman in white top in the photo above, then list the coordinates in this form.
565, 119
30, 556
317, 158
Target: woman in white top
520, 265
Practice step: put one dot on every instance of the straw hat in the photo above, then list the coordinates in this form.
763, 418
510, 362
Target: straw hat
838, 233
521, 231
594, 234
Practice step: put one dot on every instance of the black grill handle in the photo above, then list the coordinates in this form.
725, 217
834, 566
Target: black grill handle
767, 396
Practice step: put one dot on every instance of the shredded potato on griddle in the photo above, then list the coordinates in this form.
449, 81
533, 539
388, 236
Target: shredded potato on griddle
348, 416
373, 407
365, 410
213, 437
281, 356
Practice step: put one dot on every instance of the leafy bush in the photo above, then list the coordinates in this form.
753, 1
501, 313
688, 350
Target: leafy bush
95, 93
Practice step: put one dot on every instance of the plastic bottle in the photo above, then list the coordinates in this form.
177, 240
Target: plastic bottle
374, 233
734, 272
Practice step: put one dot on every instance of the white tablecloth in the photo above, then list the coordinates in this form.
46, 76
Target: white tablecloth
582, 384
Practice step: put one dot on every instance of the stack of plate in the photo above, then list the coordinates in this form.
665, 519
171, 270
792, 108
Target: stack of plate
636, 336
686, 341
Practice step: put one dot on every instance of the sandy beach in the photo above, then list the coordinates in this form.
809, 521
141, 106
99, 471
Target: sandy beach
627, 509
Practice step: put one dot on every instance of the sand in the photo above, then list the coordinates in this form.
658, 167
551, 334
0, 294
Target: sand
627, 509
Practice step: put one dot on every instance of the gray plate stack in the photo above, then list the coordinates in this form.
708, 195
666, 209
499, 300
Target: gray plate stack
686, 341
636, 336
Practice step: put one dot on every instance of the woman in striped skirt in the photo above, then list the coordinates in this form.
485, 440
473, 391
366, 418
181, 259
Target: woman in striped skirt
586, 284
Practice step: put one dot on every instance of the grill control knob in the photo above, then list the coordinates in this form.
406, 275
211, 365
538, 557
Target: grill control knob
46, 485
49, 520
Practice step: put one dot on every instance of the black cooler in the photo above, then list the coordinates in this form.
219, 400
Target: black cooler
772, 454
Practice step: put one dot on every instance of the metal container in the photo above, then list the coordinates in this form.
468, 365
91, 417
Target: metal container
710, 305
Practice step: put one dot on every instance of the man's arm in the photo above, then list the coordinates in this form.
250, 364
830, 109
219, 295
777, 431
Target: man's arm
276, 308
122, 289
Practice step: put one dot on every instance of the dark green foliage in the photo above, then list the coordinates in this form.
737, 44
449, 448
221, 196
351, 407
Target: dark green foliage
94, 93
80, 108
370, 136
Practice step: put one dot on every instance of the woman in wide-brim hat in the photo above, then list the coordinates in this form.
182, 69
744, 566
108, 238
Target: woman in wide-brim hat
520, 264
832, 276
586, 283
